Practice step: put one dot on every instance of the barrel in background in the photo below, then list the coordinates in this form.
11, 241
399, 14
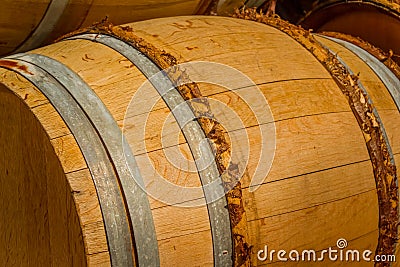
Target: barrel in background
29, 24
375, 21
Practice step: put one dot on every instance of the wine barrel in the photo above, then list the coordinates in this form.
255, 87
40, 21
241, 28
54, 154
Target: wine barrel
41, 22
376, 21
251, 143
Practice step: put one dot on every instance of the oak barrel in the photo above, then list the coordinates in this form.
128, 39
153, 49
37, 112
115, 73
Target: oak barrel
43, 21
376, 21
103, 157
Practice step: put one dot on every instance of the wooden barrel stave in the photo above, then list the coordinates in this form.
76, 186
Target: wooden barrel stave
306, 129
298, 220
89, 71
248, 64
337, 181
90, 215
172, 47
380, 96
235, 66
165, 216
382, 99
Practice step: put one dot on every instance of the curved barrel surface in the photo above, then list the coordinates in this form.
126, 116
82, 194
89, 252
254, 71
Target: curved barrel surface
115, 161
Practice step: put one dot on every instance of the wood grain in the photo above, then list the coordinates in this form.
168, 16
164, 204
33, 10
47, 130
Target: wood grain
378, 93
315, 131
286, 99
99, 259
301, 230
161, 141
320, 187
374, 86
391, 122
262, 63
23, 88
69, 154
39, 220
126, 11
297, 193
87, 204
360, 243
73, 199
309, 144
182, 252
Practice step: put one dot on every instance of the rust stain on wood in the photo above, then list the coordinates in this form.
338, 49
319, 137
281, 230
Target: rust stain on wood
14, 65
384, 170
191, 48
